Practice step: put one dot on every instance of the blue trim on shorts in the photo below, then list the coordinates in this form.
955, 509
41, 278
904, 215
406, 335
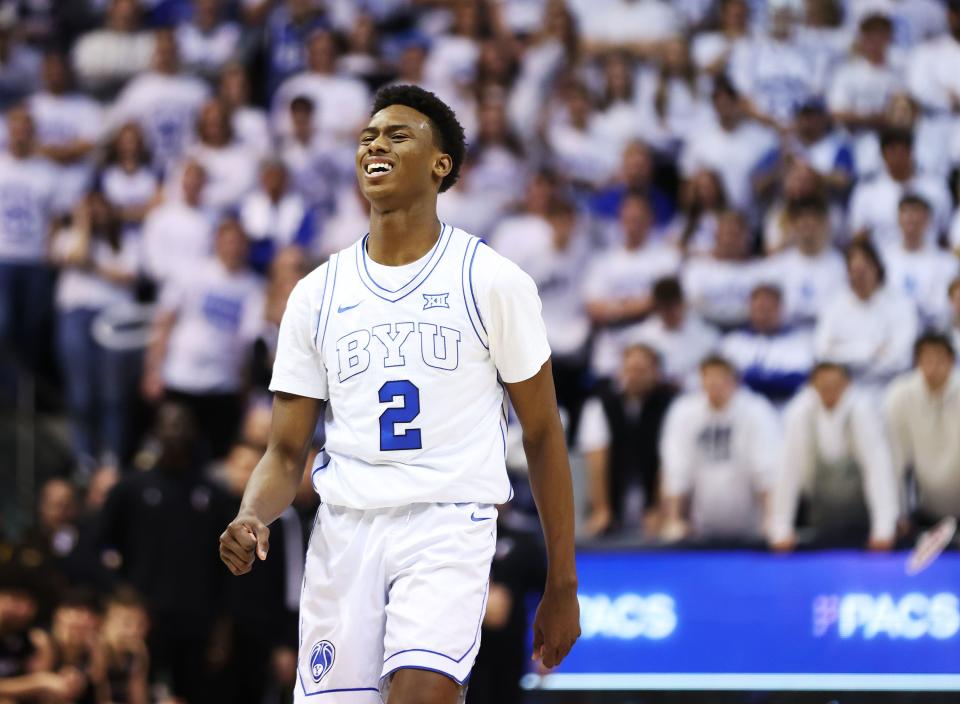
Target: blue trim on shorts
476, 637
425, 669
331, 691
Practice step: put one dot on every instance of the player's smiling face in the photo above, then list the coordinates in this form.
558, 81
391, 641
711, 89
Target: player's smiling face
398, 159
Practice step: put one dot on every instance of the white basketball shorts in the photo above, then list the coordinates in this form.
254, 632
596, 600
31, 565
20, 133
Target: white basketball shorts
392, 588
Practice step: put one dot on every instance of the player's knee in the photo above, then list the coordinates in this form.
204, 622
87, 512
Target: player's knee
410, 686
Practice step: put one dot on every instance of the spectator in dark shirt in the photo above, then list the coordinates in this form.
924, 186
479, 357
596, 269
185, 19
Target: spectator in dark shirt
620, 434
162, 523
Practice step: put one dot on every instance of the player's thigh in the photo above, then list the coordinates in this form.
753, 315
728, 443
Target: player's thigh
439, 567
342, 610
409, 686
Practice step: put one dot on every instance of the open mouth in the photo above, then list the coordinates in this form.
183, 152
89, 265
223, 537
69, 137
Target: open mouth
376, 169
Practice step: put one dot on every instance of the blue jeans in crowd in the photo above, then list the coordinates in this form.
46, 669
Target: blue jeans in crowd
100, 386
25, 303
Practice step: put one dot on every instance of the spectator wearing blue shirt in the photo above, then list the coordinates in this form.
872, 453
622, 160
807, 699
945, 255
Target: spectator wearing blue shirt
773, 359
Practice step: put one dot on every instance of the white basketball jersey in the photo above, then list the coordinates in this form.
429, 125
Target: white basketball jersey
416, 408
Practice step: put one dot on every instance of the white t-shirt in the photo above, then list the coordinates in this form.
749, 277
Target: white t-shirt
250, 127
931, 73
410, 360
208, 51
734, 155
863, 88
263, 219
231, 173
219, 314
808, 284
165, 107
61, 119
82, 288
341, 105
680, 350
924, 277
722, 459
777, 75
874, 338
318, 170
27, 192
875, 203
129, 190
626, 21
620, 273
719, 290
176, 238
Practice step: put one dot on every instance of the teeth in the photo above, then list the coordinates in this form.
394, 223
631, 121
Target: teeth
379, 168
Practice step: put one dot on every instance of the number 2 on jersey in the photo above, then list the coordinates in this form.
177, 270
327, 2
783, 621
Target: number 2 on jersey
390, 439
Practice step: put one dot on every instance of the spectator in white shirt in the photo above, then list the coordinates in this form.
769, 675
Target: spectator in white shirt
98, 265
318, 168
918, 270
862, 87
734, 146
230, 165
873, 203
826, 149
811, 272
619, 281
178, 235
801, 184
208, 41
579, 149
27, 190
69, 125
127, 180
164, 102
772, 358
870, 328
273, 216
835, 456
202, 338
620, 438
557, 268
773, 72
250, 125
340, 102
679, 336
923, 414
719, 453
718, 286
106, 57
521, 235
669, 98
498, 163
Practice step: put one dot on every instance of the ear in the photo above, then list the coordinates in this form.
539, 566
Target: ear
442, 166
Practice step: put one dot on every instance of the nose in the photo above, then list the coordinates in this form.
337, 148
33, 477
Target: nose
379, 145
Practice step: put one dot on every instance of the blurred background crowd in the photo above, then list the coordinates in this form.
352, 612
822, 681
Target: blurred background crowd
741, 216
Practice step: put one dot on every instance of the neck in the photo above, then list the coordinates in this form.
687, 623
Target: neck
401, 236
936, 389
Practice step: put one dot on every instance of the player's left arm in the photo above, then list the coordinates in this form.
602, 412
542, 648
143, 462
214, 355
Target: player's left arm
557, 623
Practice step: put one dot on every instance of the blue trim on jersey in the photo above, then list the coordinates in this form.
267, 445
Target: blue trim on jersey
333, 288
431, 253
323, 466
323, 295
473, 295
413, 284
471, 312
476, 637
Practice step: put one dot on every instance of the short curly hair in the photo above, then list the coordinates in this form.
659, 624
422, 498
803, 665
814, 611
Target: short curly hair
447, 128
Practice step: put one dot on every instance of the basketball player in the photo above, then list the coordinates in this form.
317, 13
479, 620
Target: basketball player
407, 342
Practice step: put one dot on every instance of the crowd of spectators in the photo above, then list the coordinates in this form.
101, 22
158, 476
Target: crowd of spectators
741, 216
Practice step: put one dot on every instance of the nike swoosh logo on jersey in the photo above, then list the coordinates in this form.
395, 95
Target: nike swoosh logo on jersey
344, 309
476, 519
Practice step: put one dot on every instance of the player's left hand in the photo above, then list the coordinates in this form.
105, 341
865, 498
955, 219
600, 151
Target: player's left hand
556, 626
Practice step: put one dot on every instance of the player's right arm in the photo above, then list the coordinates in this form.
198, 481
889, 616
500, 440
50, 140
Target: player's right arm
300, 387
273, 484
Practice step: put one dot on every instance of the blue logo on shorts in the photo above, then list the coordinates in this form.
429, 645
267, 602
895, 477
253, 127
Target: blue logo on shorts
321, 659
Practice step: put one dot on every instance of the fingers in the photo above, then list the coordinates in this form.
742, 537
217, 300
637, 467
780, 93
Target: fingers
262, 535
537, 643
235, 561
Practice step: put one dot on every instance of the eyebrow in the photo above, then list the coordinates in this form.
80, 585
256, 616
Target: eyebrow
388, 128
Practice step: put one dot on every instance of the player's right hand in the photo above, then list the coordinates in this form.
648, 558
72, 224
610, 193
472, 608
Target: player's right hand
245, 539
